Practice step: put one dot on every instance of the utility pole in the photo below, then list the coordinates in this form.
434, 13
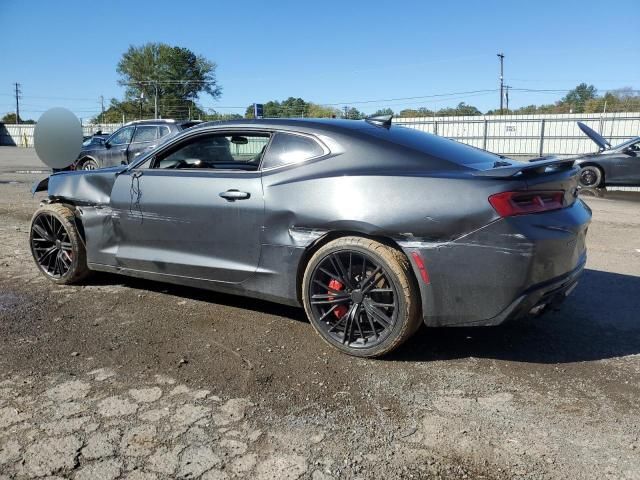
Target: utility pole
506, 96
501, 57
17, 102
102, 106
346, 109
156, 102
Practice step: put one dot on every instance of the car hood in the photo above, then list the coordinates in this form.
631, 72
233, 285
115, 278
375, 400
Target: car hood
595, 136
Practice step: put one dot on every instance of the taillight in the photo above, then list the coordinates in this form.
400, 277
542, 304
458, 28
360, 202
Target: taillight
508, 204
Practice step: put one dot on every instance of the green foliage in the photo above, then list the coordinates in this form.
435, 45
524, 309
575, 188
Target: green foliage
10, 118
354, 114
221, 117
178, 75
382, 111
293, 107
578, 97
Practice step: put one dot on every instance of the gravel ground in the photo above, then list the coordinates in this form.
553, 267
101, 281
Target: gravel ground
123, 378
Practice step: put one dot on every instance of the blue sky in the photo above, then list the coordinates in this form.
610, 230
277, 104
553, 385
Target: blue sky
64, 53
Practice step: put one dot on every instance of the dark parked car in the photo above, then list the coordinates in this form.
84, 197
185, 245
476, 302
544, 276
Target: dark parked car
96, 138
618, 165
375, 229
126, 143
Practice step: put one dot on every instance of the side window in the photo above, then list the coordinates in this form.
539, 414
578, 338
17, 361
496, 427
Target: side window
216, 151
286, 149
145, 133
164, 131
122, 136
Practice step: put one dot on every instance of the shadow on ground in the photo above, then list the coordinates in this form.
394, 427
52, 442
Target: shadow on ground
600, 320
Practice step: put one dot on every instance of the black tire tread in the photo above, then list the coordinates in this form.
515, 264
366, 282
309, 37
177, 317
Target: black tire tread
66, 215
600, 182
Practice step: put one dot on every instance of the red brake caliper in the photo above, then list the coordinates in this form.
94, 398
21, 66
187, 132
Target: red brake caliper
340, 310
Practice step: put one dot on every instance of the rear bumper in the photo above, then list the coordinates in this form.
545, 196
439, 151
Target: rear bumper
536, 300
503, 270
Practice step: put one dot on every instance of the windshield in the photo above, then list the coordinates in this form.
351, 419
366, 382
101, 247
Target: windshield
626, 144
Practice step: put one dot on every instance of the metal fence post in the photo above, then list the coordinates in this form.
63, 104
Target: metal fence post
542, 123
484, 135
435, 127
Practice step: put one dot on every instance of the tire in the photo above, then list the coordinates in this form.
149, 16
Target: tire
56, 244
377, 312
590, 177
89, 164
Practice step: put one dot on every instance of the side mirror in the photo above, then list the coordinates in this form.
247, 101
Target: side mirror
106, 144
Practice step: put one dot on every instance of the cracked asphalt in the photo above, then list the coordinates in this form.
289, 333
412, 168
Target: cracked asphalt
124, 378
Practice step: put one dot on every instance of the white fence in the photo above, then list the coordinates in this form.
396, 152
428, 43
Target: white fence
511, 135
530, 135
22, 135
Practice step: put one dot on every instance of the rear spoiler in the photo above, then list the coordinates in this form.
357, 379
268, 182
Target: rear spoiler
535, 167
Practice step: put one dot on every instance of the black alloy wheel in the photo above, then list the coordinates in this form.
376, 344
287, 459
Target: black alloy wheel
56, 244
361, 296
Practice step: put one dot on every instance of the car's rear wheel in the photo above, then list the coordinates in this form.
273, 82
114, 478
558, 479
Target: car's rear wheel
89, 164
361, 297
590, 177
56, 244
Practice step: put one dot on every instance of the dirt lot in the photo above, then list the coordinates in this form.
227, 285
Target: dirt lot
122, 378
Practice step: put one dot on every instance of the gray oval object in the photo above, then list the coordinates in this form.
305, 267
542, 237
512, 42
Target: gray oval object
58, 137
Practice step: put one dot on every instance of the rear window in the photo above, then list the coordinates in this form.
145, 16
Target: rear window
435, 146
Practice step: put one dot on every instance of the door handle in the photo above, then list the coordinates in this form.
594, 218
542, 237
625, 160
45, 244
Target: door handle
233, 195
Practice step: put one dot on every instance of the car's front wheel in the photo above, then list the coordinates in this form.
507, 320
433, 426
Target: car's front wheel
590, 177
361, 297
56, 244
89, 164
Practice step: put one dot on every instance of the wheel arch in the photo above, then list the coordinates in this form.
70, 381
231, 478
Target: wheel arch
84, 158
330, 236
71, 205
597, 165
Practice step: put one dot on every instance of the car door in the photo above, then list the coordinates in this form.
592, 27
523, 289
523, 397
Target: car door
144, 137
626, 166
194, 210
117, 146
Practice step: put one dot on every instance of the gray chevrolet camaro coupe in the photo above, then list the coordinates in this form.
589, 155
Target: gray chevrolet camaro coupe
375, 229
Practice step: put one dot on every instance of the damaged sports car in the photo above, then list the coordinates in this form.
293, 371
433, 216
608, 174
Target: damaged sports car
374, 229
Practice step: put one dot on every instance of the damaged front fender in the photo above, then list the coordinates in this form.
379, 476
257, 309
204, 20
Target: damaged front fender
82, 187
40, 186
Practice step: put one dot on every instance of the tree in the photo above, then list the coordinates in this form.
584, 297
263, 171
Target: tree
220, 117
420, 112
354, 114
578, 97
382, 111
293, 107
11, 118
177, 75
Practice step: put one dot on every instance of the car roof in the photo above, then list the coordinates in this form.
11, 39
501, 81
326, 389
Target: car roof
154, 121
304, 124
